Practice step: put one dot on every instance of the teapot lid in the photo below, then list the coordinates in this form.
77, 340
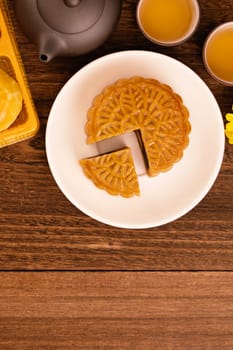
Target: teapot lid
70, 16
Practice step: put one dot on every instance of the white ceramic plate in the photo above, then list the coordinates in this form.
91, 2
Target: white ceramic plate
163, 198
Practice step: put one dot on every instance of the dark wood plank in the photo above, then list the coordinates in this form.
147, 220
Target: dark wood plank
110, 310
40, 229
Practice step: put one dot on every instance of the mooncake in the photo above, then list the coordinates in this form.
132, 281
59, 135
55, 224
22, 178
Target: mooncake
152, 109
113, 172
10, 100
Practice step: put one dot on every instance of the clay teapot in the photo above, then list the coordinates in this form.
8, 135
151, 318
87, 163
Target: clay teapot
67, 27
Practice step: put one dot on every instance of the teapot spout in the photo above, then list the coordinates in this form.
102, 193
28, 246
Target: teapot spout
49, 47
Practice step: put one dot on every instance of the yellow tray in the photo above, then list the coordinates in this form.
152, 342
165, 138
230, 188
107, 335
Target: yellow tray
27, 123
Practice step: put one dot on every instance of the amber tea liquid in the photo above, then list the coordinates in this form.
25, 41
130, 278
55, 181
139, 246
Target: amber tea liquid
218, 54
167, 21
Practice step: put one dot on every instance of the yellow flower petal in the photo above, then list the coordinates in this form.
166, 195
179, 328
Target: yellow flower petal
229, 117
229, 127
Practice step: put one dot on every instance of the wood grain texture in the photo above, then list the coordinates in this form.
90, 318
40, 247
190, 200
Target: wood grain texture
40, 229
116, 310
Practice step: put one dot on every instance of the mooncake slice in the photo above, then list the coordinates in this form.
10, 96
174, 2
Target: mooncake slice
10, 100
113, 172
150, 108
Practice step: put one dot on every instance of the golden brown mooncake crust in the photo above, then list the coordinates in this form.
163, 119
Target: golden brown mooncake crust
147, 106
114, 172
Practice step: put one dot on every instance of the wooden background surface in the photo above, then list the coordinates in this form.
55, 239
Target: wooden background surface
107, 304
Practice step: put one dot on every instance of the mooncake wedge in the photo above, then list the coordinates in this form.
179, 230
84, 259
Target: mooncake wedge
113, 172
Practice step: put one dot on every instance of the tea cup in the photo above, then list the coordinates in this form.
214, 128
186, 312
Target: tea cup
168, 22
218, 53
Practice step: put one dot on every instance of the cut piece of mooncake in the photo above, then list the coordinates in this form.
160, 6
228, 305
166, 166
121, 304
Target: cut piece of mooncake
113, 172
151, 109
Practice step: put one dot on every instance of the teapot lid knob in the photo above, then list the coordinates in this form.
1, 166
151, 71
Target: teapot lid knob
72, 3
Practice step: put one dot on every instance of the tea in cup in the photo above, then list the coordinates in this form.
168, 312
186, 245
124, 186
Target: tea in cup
218, 53
168, 22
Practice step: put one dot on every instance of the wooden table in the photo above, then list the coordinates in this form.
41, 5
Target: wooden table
69, 282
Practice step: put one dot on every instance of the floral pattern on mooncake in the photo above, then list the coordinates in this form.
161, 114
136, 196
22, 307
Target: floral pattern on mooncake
114, 172
150, 108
